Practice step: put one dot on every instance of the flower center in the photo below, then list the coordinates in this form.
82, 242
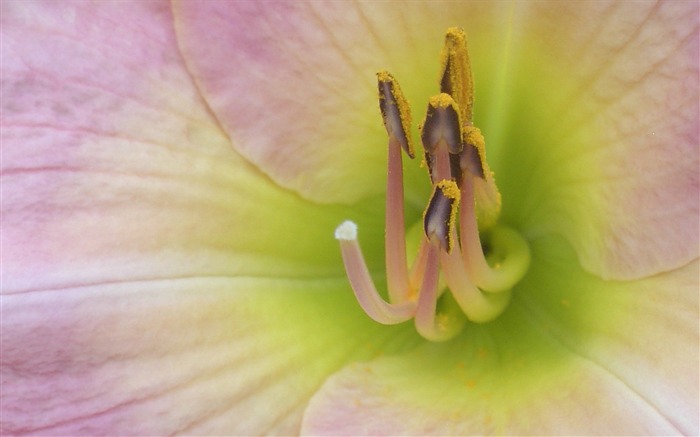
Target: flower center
462, 211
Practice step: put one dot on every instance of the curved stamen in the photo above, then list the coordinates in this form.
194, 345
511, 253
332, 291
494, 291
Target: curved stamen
440, 217
515, 262
361, 281
429, 324
485, 192
417, 272
476, 305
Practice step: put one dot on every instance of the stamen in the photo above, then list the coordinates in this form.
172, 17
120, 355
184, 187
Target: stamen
441, 135
488, 198
397, 120
396, 113
456, 74
442, 124
515, 251
476, 305
361, 281
472, 160
441, 214
417, 272
416, 245
440, 327
457, 81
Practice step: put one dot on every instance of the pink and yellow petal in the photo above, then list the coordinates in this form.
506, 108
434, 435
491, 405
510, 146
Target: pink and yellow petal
600, 141
643, 332
227, 355
101, 159
118, 183
586, 107
572, 355
153, 280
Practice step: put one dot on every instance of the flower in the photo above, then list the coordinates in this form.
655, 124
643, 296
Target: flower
173, 174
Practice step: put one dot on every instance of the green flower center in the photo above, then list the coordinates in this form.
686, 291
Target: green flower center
459, 222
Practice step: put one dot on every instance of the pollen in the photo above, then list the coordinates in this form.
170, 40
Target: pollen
443, 100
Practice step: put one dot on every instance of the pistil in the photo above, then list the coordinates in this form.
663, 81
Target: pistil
464, 208
361, 281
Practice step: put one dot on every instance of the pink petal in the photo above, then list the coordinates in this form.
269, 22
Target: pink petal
313, 124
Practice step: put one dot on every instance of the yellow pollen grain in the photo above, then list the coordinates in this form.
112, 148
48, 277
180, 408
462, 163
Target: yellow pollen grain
401, 104
450, 189
443, 100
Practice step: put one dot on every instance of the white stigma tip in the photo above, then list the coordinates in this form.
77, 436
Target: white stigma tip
346, 231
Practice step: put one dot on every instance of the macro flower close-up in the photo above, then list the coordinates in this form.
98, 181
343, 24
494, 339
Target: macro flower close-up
350, 218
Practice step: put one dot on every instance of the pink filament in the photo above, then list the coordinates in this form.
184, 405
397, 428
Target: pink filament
418, 268
474, 261
395, 228
441, 163
477, 306
427, 299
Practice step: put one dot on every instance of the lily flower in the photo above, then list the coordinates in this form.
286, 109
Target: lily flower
173, 175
